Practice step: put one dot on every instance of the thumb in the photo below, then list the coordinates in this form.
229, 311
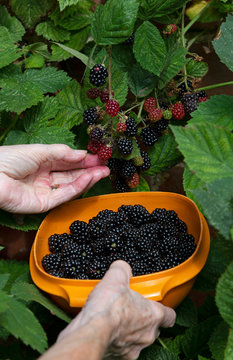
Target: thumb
118, 274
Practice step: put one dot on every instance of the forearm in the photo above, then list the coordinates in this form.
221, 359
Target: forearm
89, 341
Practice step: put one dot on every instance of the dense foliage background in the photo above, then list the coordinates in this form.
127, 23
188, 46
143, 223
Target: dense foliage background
46, 51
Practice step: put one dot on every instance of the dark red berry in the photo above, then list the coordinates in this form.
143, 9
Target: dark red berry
112, 107
105, 152
178, 111
104, 95
155, 114
93, 93
121, 127
94, 146
150, 104
96, 134
133, 181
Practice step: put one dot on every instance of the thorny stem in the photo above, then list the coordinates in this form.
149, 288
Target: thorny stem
140, 112
133, 107
12, 124
215, 86
109, 73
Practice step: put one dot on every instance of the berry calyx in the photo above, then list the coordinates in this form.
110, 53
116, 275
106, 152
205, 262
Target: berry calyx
150, 104
178, 111
93, 93
155, 114
133, 181
112, 107
121, 127
98, 75
105, 152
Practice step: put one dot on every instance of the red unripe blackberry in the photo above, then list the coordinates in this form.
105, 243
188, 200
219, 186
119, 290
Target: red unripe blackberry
98, 75
90, 116
104, 95
155, 114
121, 127
105, 152
93, 93
132, 127
178, 111
112, 107
150, 104
133, 181
94, 146
169, 29
96, 134
125, 146
202, 99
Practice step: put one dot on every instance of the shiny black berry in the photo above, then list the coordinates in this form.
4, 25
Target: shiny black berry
125, 146
98, 75
90, 116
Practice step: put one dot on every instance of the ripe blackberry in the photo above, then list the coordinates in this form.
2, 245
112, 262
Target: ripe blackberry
201, 94
96, 134
148, 136
128, 168
94, 146
133, 181
98, 75
114, 165
90, 116
71, 250
189, 101
121, 127
105, 152
120, 185
131, 127
160, 126
113, 242
58, 241
150, 104
125, 146
139, 215
112, 107
71, 267
183, 88
178, 111
163, 105
155, 114
146, 160
93, 93
79, 229
51, 262
130, 40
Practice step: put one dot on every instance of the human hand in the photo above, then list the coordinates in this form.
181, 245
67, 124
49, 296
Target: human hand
35, 178
131, 321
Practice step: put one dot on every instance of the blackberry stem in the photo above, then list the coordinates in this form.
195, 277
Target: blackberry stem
162, 343
215, 86
140, 112
133, 107
196, 18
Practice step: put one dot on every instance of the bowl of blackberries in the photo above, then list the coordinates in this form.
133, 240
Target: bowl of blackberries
163, 237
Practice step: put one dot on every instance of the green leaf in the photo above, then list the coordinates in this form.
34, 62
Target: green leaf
30, 11
196, 337
20, 222
217, 110
149, 48
34, 61
29, 292
229, 347
141, 82
196, 69
174, 62
13, 25
60, 55
77, 22
218, 341
163, 154
1, 248
3, 280
71, 102
158, 8
221, 46
208, 150
102, 187
224, 295
191, 182
64, 3
119, 84
4, 334
21, 91
217, 205
174, 345
14, 269
23, 324
8, 49
113, 23
3, 302
143, 185
40, 48
186, 313
41, 113
52, 32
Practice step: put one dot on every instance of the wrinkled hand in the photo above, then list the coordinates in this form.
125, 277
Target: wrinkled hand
133, 321
36, 178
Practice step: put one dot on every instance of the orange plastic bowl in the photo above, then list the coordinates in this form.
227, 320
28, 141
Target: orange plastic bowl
169, 287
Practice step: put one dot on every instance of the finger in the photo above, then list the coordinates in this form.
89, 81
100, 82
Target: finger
87, 161
91, 160
119, 273
164, 316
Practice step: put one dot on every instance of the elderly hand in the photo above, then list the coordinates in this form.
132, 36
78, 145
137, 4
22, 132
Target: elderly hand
36, 178
130, 322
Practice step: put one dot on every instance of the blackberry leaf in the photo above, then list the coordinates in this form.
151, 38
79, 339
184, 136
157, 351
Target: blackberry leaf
9, 51
13, 25
51, 32
64, 3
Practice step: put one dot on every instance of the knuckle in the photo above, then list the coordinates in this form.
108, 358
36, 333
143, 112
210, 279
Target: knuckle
159, 315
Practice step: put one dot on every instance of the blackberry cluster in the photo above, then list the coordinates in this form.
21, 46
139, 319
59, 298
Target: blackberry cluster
149, 242
98, 75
